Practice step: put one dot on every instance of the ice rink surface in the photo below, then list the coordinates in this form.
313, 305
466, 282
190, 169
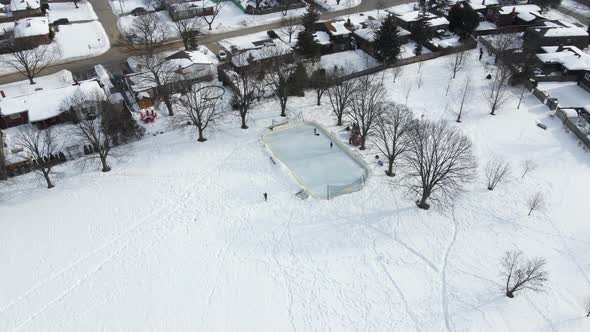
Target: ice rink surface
311, 159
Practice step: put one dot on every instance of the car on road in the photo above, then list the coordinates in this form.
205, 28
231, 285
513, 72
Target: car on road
222, 55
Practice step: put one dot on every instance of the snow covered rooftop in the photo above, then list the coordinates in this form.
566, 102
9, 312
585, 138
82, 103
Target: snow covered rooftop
435, 20
31, 26
368, 33
402, 9
480, 4
16, 5
47, 103
566, 31
270, 49
524, 12
187, 58
322, 37
337, 28
570, 57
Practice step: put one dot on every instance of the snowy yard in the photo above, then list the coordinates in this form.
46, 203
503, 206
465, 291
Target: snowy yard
178, 237
357, 60
68, 10
334, 5
230, 18
314, 159
74, 42
121, 7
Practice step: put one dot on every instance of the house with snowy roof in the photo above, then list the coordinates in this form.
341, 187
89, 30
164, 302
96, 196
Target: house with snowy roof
184, 9
182, 69
555, 33
255, 49
365, 35
407, 19
18, 9
47, 102
521, 15
568, 62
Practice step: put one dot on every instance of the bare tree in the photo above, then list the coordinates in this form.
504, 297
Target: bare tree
147, 33
407, 91
456, 63
90, 129
199, 108
528, 166
188, 30
503, 44
499, 90
536, 202
366, 106
29, 60
340, 94
216, 10
521, 273
587, 308
245, 88
42, 147
397, 72
290, 26
159, 74
440, 162
464, 95
277, 75
320, 82
496, 171
393, 127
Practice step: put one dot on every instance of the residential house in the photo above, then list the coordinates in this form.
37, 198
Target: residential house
407, 19
188, 67
566, 62
520, 15
556, 33
17, 9
48, 101
184, 9
256, 49
365, 36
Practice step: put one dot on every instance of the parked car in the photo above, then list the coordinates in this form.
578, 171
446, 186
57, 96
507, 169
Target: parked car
61, 21
222, 55
138, 11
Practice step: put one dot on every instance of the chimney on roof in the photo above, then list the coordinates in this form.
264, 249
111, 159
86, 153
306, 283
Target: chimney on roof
560, 48
513, 9
483, 3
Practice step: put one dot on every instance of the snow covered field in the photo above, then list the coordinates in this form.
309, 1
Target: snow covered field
312, 161
68, 10
178, 237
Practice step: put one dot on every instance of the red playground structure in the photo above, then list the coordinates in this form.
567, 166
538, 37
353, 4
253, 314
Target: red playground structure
148, 116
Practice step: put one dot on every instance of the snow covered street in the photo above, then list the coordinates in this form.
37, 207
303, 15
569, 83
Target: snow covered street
177, 236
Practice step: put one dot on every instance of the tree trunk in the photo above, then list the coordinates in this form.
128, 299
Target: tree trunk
362, 147
319, 94
510, 294
168, 105
243, 116
390, 169
105, 166
201, 138
48, 180
31, 79
422, 202
283, 109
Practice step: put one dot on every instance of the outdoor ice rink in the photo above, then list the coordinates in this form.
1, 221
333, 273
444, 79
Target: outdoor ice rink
312, 161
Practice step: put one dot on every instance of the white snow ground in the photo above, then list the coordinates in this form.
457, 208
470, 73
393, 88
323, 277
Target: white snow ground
312, 161
356, 60
121, 7
68, 10
177, 236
